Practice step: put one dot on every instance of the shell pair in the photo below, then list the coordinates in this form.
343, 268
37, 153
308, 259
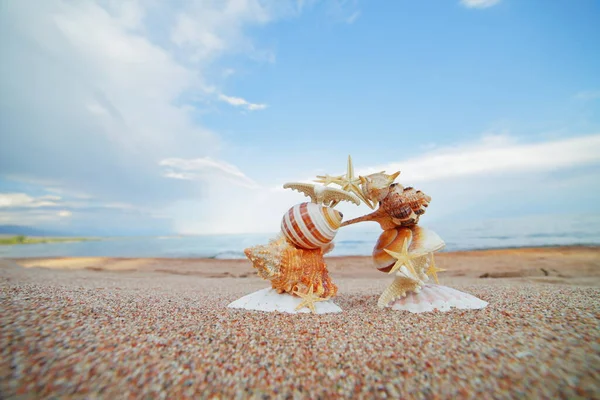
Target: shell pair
409, 253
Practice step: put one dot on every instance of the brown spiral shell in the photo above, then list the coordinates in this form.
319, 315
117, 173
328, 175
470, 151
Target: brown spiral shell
405, 204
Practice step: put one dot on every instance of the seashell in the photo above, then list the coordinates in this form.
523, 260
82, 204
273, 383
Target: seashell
398, 289
291, 269
310, 226
269, 300
400, 206
405, 205
376, 187
420, 240
436, 297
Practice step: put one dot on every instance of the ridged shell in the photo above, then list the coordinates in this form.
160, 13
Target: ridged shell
436, 297
405, 204
269, 300
291, 269
420, 240
310, 226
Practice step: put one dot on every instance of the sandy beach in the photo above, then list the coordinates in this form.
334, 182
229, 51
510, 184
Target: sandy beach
159, 328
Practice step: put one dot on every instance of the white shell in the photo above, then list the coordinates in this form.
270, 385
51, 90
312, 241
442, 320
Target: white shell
436, 297
420, 240
425, 240
269, 300
310, 225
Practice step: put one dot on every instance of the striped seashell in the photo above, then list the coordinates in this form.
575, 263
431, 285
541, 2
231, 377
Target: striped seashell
436, 297
420, 240
310, 225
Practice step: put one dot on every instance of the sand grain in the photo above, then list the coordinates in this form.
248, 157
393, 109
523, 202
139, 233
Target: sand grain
78, 333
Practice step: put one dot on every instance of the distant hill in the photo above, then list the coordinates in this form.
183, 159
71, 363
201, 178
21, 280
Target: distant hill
27, 231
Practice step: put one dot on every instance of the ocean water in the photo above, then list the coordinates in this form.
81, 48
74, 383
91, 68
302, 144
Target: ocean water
458, 235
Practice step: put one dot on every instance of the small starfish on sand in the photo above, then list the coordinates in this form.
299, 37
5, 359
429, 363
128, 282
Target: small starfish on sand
432, 270
348, 182
309, 299
404, 258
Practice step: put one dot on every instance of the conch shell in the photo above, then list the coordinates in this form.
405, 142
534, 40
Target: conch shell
292, 270
400, 207
376, 187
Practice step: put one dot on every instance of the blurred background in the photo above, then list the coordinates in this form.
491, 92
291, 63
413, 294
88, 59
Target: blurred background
169, 128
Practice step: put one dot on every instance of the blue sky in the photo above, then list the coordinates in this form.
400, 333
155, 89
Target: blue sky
145, 117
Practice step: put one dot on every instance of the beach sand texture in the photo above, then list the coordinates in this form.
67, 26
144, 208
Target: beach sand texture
159, 328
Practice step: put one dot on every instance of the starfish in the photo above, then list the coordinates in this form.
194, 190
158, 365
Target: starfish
432, 270
399, 288
309, 299
328, 179
348, 182
403, 258
322, 194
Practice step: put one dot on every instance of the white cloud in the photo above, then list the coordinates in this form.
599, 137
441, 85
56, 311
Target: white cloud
205, 169
118, 105
479, 3
491, 174
206, 29
184, 176
15, 200
496, 154
239, 102
588, 95
51, 202
128, 13
96, 109
343, 10
253, 107
96, 94
121, 206
28, 217
109, 88
227, 72
48, 188
352, 18
76, 215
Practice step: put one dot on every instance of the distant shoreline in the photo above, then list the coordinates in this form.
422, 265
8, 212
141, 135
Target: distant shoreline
505, 250
573, 265
225, 249
15, 240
